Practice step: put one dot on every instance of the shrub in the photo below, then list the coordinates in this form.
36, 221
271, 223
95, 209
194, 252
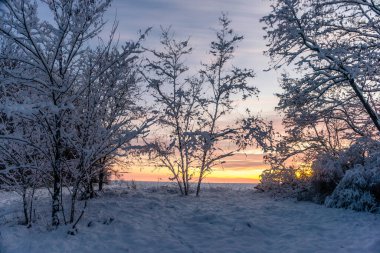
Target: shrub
329, 170
347, 179
358, 190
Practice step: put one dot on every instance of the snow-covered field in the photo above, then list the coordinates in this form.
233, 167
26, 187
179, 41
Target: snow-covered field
226, 218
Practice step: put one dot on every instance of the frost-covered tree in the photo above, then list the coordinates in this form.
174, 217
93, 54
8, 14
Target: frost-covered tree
20, 163
74, 106
335, 46
107, 116
332, 97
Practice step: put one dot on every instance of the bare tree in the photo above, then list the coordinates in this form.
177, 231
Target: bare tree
177, 97
225, 82
194, 108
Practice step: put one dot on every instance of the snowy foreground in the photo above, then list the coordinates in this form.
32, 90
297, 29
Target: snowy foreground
223, 219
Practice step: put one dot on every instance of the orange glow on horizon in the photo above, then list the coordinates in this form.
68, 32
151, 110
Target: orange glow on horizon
215, 177
240, 168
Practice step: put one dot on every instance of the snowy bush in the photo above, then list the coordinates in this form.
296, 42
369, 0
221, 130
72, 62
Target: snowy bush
350, 179
357, 190
329, 170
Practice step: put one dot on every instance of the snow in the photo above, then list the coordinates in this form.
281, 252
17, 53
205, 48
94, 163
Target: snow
226, 218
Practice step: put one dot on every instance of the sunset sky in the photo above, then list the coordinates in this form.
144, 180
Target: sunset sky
197, 19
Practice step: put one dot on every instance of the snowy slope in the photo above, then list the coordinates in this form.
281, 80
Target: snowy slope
222, 220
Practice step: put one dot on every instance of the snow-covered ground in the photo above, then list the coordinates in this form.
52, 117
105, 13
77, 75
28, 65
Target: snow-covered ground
232, 218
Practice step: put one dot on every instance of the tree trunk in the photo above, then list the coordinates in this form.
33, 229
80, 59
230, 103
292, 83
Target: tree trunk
25, 207
56, 170
73, 202
55, 198
180, 186
199, 185
90, 190
101, 179
31, 207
